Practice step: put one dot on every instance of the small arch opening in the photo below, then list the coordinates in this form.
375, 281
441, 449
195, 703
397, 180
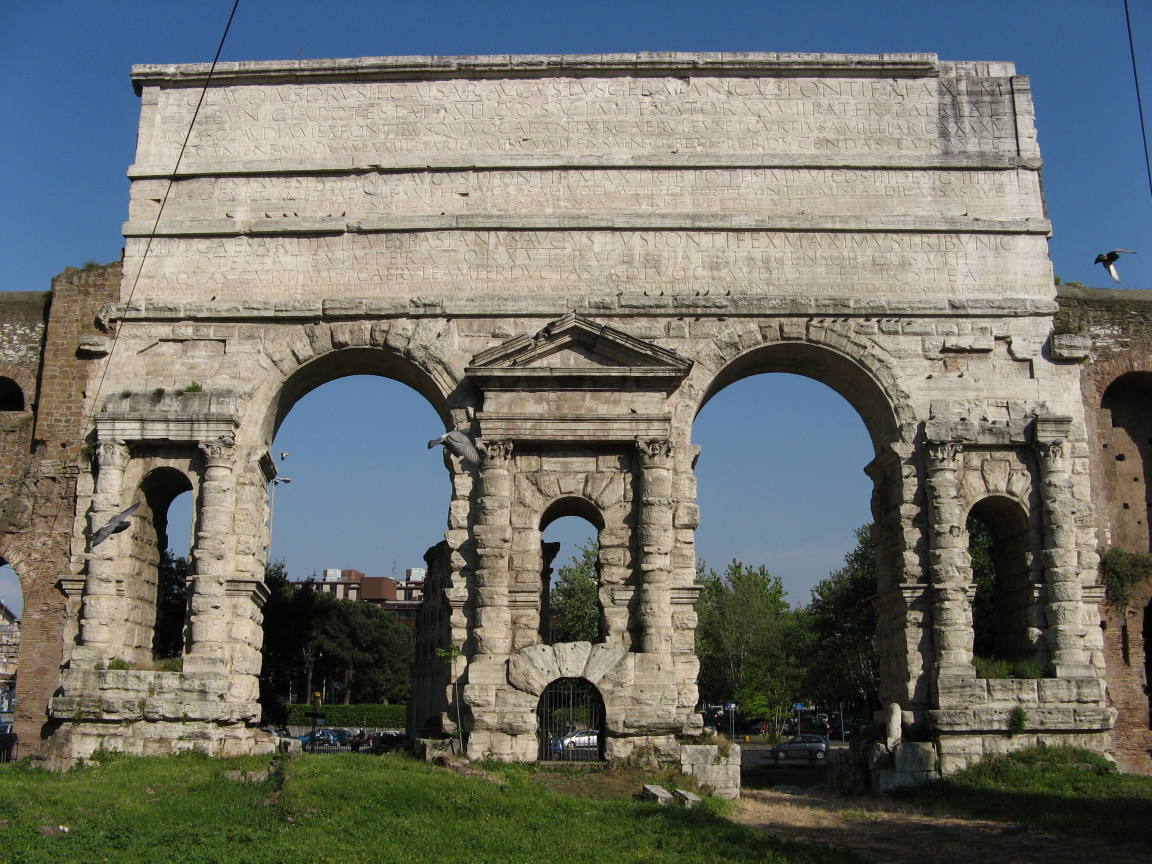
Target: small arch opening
11, 395
570, 605
1005, 629
571, 722
1128, 437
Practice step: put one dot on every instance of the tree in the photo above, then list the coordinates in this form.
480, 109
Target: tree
750, 642
171, 606
574, 598
846, 630
984, 576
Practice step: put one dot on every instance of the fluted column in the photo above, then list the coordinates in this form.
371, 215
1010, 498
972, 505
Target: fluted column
208, 607
949, 563
493, 532
657, 508
1064, 610
101, 627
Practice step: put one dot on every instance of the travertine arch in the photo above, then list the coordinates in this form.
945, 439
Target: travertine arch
848, 367
572, 505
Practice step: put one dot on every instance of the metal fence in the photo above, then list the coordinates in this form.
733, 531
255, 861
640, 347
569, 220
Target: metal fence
571, 714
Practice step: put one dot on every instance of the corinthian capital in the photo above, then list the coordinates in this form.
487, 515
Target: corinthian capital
112, 453
219, 453
496, 454
655, 452
942, 454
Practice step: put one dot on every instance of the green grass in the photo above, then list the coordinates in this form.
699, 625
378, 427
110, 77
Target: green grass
350, 808
1060, 789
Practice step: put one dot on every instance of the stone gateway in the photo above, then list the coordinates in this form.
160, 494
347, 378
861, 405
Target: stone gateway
568, 256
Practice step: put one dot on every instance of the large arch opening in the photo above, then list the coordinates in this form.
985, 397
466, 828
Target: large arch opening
792, 525
1005, 629
1127, 456
570, 715
570, 606
357, 501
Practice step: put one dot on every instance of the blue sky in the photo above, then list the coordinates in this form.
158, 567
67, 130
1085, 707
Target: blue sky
69, 133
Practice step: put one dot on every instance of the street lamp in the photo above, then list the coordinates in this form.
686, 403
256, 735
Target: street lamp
276, 481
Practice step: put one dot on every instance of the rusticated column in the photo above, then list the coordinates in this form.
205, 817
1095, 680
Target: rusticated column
493, 532
101, 628
1066, 629
657, 508
209, 605
949, 563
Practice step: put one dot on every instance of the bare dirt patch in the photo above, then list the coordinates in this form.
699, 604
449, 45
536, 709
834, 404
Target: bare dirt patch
891, 831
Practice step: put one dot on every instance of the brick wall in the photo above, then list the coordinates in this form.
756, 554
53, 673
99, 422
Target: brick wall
38, 468
1120, 436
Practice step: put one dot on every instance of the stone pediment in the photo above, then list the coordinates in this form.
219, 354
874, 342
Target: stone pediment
573, 352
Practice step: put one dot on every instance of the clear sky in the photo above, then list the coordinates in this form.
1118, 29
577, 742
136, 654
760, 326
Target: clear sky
365, 492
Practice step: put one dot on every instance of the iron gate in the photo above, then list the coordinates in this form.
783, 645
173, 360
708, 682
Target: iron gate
571, 715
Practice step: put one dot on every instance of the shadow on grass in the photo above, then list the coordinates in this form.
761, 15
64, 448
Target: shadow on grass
1061, 789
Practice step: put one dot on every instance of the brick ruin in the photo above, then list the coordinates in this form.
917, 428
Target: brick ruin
572, 305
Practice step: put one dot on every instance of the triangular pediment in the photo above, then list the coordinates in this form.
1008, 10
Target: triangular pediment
581, 352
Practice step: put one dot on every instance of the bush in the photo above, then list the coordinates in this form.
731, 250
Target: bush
989, 667
1122, 571
1017, 721
379, 716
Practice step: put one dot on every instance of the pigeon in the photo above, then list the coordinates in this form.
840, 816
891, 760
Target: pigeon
1110, 259
115, 525
460, 444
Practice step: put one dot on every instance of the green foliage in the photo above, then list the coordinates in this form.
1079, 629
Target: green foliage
845, 663
172, 605
373, 715
91, 264
574, 597
158, 393
310, 635
1060, 789
1122, 571
751, 644
991, 667
117, 664
984, 575
88, 451
360, 808
170, 664
1017, 721
194, 387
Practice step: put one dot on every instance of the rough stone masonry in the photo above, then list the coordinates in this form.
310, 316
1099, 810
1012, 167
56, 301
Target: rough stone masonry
568, 256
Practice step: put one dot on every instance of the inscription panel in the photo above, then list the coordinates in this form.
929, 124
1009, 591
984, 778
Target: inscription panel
767, 191
625, 116
576, 262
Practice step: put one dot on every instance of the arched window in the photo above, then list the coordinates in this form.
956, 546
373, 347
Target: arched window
1005, 616
570, 607
11, 396
571, 716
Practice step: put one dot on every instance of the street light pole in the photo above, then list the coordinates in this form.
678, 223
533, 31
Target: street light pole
276, 481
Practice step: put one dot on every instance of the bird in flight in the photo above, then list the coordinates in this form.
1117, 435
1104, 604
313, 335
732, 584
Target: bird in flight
1110, 259
459, 444
115, 525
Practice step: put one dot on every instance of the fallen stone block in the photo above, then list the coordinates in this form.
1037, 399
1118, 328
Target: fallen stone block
656, 793
690, 799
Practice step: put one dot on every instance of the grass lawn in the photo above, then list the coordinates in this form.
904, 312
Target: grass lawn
349, 808
1061, 789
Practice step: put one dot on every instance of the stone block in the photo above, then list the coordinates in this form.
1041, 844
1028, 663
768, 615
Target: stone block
659, 794
915, 756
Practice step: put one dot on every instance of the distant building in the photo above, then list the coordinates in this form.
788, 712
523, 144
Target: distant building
402, 597
9, 650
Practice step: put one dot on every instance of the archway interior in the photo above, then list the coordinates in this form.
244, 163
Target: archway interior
156, 624
570, 608
779, 478
1128, 457
172, 576
12, 597
1000, 547
11, 594
571, 722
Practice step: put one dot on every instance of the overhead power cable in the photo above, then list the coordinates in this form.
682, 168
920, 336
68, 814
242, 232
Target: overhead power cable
160, 211
1139, 101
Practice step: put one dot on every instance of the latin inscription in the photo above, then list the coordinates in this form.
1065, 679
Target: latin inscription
587, 116
517, 262
1009, 194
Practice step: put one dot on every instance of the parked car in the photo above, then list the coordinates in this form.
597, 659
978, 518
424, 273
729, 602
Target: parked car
759, 727
319, 738
802, 747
